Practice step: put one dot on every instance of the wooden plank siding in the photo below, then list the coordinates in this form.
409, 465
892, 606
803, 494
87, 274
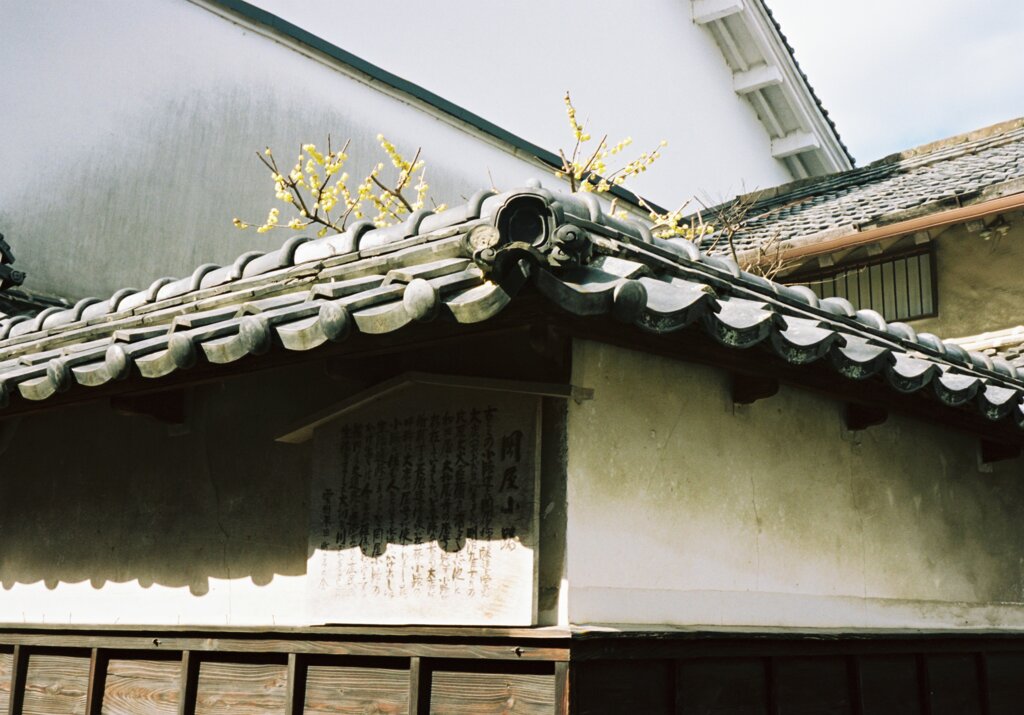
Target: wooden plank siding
50, 673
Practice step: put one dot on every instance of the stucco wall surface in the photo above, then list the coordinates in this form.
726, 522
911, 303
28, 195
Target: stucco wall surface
979, 282
110, 518
129, 135
685, 509
639, 69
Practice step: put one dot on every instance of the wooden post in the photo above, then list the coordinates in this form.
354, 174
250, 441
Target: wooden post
97, 682
189, 683
562, 685
419, 692
19, 668
296, 685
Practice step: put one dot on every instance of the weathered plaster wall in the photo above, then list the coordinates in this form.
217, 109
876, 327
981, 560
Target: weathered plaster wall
130, 130
684, 509
107, 518
979, 282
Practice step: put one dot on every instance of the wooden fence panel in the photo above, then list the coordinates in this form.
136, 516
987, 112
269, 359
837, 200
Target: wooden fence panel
812, 686
142, 686
6, 665
1005, 683
231, 688
722, 686
332, 689
889, 684
56, 684
953, 682
480, 693
626, 686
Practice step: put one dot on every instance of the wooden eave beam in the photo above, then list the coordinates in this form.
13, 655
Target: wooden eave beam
705, 11
794, 143
756, 78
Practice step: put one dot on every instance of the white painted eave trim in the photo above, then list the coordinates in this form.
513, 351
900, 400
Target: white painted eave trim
776, 68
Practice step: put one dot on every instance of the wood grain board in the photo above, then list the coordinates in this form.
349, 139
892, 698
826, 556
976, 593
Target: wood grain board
56, 685
469, 693
142, 686
339, 690
241, 688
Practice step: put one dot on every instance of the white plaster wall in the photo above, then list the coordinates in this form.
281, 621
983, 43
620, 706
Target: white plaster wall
683, 509
640, 69
129, 130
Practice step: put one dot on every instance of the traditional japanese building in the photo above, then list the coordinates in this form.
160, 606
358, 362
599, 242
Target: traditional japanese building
519, 456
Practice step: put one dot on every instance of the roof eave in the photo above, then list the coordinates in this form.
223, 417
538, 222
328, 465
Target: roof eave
816, 135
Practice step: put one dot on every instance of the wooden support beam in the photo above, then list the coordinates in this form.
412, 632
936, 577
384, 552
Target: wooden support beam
419, 688
794, 143
860, 417
998, 451
296, 694
748, 389
97, 682
189, 684
756, 78
562, 685
19, 669
705, 11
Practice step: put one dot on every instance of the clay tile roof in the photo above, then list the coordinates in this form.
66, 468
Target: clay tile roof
954, 172
466, 266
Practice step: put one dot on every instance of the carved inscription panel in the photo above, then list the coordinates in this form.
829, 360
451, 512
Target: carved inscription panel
423, 511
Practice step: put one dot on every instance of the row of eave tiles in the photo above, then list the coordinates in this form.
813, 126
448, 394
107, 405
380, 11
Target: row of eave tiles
310, 292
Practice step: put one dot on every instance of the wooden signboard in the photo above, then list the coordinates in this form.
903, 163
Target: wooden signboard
424, 510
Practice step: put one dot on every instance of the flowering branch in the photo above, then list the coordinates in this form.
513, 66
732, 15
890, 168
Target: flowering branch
308, 188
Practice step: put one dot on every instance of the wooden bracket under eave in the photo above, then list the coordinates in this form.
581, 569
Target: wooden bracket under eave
859, 417
998, 451
747, 389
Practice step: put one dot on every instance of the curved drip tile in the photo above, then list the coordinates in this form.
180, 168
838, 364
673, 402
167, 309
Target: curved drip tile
580, 291
997, 402
909, 374
858, 358
742, 323
672, 306
955, 389
802, 341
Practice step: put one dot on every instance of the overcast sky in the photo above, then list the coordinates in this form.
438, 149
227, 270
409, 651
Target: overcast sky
898, 73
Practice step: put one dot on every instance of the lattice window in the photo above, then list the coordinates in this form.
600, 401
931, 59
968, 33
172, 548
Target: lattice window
900, 288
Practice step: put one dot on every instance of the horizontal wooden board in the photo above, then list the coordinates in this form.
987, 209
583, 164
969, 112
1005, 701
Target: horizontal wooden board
462, 693
55, 685
241, 688
142, 686
350, 690
142, 644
